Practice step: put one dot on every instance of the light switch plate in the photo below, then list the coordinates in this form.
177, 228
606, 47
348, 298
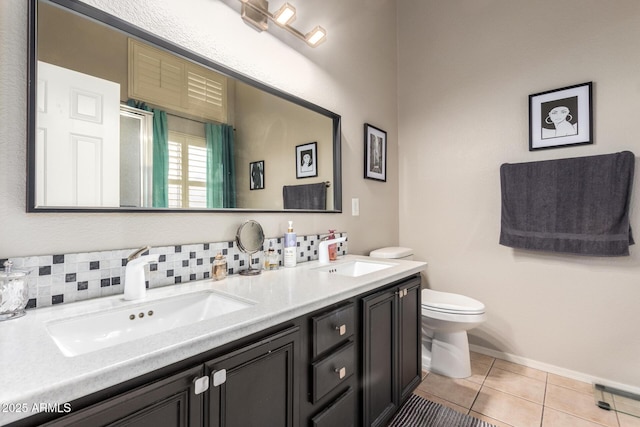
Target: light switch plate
355, 207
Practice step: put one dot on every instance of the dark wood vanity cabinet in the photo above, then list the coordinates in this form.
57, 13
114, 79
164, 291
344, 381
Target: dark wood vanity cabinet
332, 382
256, 385
253, 386
170, 402
350, 364
391, 353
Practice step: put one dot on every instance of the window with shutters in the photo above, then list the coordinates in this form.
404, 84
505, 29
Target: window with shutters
187, 171
176, 84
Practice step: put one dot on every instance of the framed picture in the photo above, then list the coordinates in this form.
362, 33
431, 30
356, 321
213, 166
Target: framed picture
375, 153
561, 117
256, 175
307, 160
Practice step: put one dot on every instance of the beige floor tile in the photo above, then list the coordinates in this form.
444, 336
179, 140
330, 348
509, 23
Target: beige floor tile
519, 369
516, 384
459, 391
628, 420
578, 404
576, 385
553, 418
441, 401
507, 408
479, 371
481, 358
490, 420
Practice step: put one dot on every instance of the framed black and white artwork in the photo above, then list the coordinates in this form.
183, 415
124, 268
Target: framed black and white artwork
307, 160
256, 175
561, 117
375, 153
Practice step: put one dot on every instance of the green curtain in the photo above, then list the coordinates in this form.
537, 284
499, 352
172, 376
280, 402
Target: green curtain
221, 177
160, 159
160, 192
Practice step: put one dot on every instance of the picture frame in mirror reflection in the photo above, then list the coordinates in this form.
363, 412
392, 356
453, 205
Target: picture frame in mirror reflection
561, 117
375, 153
307, 160
256, 175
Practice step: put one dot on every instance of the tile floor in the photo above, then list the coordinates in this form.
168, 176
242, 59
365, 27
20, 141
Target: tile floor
508, 394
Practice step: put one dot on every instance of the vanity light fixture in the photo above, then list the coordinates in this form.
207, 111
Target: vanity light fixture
316, 36
285, 15
256, 13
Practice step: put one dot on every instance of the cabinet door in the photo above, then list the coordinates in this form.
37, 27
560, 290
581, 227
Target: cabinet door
380, 357
260, 387
410, 335
168, 402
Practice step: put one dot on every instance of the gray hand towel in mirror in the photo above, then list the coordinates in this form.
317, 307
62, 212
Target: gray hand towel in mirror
306, 196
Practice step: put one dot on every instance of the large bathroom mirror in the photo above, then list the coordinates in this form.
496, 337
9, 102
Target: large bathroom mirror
122, 120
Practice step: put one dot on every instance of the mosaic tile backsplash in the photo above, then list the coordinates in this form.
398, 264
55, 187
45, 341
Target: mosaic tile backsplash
56, 279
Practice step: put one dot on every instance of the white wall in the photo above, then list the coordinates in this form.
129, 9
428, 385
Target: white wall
466, 68
353, 74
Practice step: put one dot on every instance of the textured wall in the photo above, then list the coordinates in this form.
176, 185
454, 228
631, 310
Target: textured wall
339, 75
466, 68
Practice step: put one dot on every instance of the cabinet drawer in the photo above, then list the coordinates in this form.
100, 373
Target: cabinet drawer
339, 413
333, 370
332, 328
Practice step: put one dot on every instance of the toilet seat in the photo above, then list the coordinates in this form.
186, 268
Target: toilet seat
445, 302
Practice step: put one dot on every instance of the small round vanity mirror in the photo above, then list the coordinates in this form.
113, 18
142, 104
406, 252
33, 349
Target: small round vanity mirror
250, 238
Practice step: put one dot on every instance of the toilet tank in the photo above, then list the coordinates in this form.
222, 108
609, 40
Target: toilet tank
393, 252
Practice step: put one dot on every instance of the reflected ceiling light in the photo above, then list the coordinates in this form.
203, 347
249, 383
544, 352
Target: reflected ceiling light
256, 13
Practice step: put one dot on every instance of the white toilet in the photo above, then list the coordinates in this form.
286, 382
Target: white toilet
446, 318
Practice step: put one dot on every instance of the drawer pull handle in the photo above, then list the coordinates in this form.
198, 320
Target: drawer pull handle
342, 372
342, 329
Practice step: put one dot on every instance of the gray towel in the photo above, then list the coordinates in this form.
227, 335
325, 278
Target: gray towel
307, 196
578, 205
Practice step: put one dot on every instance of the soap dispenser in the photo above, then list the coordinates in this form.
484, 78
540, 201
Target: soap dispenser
333, 247
290, 247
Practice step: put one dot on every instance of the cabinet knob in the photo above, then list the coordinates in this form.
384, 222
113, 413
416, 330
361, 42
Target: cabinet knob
200, 385
219, 377
342, 372
342, 329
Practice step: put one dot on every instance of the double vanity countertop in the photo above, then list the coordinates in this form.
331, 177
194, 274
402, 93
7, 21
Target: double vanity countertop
34, 370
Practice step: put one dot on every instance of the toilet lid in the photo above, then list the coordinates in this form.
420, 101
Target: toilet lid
450, 303
392, 252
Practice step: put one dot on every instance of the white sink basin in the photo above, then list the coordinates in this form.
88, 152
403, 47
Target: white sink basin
354, 268
89, 332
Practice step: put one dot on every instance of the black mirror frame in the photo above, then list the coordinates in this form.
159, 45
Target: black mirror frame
115, 22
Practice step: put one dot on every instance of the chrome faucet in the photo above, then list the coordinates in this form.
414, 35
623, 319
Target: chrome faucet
134, 280
323, 249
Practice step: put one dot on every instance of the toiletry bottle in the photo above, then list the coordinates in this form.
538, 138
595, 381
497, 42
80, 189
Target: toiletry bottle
290, 247
270, 258
273, 258
333, 248
219, 270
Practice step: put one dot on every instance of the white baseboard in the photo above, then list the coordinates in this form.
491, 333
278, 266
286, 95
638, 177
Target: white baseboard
580, 376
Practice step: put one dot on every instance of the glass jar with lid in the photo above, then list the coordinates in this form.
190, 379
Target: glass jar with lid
219, 269
14, 292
